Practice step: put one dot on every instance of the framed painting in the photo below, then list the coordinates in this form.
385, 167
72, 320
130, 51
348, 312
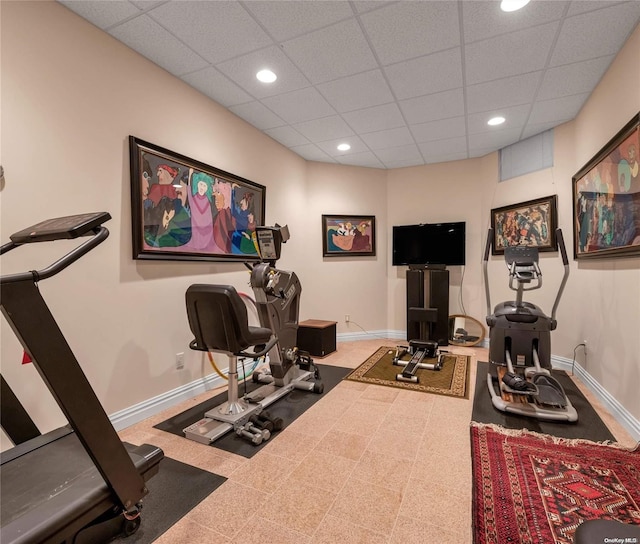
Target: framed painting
530, 223
348, 235
606, 199
183, 209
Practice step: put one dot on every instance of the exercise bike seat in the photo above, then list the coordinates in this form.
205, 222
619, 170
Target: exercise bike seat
550, 392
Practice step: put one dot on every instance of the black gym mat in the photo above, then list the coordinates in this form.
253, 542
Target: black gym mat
289, 408
589, 425
173, 492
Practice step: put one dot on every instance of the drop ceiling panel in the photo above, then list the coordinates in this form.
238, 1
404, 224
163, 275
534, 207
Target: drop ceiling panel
217, 87
242, 70
388, 75
316, 53
426, 75
216, 30
410, 29
286, 20
510, 54
357, 92
154, 42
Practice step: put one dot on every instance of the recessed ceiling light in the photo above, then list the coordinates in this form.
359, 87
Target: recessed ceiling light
266, 76
496, 121
344, 147
513, 5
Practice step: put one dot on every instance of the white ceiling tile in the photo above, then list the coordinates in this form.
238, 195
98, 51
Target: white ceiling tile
533, 129
375, 118
510, 91
384, 72
484, 20
402, 153
439, 130
450, 146
217, 87
410, 29
102, 14
558, 110
575, 78
299, 106
312, 152
393, 137
216, 30
433, 107
148, 38
316, 53
576, 41
404, 163
331, 147
357, 92
285, 20
510, 54
242, 70
256, 114
426, 75
365, 158
326, 128
287, 136
497, 140
515, 117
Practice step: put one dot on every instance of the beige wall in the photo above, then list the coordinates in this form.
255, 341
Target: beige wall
71, 96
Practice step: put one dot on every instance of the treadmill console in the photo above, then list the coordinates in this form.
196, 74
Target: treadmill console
270, 240
69, 227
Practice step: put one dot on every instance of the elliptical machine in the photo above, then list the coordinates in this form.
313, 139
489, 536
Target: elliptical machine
520, 380
219, 322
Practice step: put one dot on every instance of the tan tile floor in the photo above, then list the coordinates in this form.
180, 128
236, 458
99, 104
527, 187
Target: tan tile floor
366, 464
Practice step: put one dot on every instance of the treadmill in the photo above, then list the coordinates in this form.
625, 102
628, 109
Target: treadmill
77, 484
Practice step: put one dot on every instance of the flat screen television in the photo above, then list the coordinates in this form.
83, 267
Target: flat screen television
429, 244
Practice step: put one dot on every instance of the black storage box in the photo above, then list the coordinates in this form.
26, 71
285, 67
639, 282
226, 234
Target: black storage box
317, 337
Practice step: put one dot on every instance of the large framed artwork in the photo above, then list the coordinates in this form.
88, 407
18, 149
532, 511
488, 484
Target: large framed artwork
530, 223
348, 235
606, 199
183, 209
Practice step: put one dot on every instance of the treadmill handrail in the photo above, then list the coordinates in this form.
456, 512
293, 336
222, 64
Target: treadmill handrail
485, 260
101, 234
565, 277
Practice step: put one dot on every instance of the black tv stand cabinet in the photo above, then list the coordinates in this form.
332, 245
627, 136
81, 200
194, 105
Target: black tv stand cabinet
428, 304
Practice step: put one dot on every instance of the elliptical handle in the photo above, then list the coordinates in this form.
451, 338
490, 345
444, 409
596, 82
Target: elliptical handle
563, 249
487, 247
565, 262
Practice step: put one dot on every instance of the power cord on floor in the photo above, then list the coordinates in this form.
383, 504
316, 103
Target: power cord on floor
574, 355
366, 331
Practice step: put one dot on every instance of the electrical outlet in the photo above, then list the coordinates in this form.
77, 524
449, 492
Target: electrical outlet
585, 344
347, 318
179, 361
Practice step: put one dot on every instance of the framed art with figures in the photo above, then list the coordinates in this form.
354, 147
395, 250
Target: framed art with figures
606, 199
183, 209
348, 235
530, 223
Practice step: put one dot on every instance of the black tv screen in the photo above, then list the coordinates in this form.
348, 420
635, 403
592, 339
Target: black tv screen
429, 244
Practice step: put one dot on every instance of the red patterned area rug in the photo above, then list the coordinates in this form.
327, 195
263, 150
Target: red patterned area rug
531, 488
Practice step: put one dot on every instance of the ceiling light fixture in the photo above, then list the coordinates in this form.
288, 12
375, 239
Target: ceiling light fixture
266, 76
496, 121
344, 147
513, 5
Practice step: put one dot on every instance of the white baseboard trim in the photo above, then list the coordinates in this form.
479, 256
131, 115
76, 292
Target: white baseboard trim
622, 416
141, 411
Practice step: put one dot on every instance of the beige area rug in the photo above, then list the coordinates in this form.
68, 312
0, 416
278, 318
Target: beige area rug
452, 380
